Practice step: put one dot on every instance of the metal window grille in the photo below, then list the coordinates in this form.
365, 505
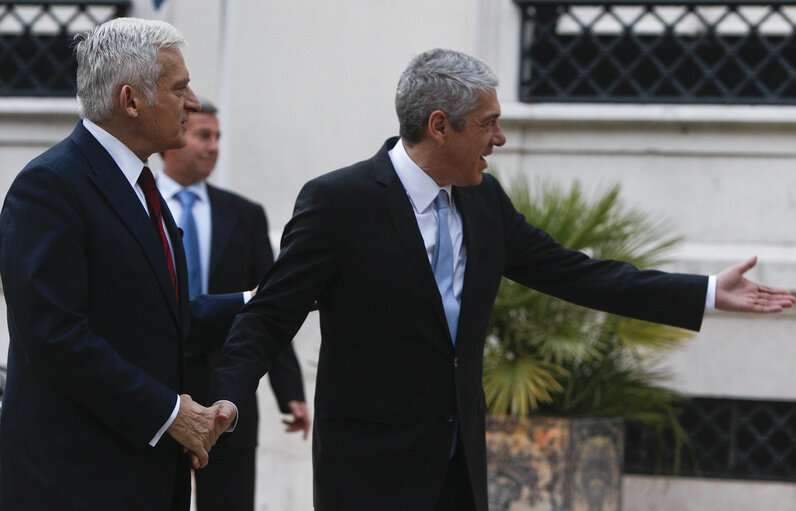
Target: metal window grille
700, 51
36, 56
729, 438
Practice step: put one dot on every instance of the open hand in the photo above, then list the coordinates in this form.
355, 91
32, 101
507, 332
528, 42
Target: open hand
301, 418
736, 293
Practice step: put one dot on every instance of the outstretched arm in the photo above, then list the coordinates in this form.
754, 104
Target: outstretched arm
735, 293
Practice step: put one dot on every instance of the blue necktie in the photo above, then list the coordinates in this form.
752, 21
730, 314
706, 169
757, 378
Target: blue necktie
190, 240
442, 264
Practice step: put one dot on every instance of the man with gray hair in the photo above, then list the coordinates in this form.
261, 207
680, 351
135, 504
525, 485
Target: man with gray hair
96, 287
403, 254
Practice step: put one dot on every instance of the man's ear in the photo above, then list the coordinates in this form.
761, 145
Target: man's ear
438, 125
129, 101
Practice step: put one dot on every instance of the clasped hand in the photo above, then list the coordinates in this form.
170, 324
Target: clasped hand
197, 428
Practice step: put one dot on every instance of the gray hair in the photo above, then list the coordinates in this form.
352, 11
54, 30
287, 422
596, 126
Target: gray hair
440, 79
206, 107
119, 52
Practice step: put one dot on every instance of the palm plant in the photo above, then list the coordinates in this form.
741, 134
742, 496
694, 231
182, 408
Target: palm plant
547, 356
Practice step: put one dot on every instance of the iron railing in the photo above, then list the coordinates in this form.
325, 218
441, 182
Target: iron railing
36, 57
728, 438
699, 51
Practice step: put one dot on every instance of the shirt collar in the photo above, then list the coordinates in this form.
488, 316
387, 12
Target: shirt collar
126, 159
169, 187
421, 189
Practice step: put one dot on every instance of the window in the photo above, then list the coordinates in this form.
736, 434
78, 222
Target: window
36, 56
729, 438
658, 52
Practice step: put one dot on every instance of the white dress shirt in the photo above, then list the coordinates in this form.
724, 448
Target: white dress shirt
422, 190
131, 166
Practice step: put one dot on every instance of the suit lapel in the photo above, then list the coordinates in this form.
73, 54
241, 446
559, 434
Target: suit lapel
403, 219
222, 221
110, 181
475, 235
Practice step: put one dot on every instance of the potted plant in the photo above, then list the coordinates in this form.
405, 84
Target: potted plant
560, 379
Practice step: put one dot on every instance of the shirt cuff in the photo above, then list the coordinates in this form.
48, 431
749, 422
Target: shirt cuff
232, 426
163, 429
710, 297
247, 295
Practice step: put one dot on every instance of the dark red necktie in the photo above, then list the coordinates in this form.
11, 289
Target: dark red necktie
147, 184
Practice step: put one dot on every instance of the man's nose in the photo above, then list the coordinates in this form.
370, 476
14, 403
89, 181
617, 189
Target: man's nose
191, 101
498, 138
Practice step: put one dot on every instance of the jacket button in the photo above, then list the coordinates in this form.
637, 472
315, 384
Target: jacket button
455, 361
449, 418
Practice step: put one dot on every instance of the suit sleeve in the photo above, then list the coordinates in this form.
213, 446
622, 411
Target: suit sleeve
43, 261
286, 380
266, 325
285, 375
211, 319
536, 260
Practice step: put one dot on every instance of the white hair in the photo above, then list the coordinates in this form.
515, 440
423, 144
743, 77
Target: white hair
440, 79
122, 51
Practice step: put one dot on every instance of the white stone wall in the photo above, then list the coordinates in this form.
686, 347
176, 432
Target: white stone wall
306, 87
693, 494
27, 128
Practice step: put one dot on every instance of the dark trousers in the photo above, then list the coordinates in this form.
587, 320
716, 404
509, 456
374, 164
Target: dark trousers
227, 482
181, 501
457, 493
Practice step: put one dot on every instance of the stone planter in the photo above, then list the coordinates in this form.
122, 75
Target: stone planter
554, 464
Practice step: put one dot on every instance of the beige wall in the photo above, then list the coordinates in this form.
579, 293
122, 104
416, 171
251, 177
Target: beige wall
307, 86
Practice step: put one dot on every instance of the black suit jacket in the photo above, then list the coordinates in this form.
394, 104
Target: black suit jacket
240, 254
97, 337
391, 387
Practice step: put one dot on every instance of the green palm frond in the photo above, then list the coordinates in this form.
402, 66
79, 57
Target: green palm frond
633, 334
549, 356
516, 387
603, 227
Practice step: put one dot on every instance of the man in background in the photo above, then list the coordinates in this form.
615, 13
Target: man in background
227, 248
99, 318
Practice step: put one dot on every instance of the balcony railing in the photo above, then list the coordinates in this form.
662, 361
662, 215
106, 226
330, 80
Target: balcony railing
36, 56
698, 51
728, 438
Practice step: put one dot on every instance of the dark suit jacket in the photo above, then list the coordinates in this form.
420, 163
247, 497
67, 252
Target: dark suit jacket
391, 387
97, 337
240, 254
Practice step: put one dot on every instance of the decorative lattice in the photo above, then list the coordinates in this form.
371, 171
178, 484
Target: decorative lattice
36, 57
701, 51
728, 438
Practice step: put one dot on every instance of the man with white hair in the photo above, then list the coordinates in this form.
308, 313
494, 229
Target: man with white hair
403, 254
96, 286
